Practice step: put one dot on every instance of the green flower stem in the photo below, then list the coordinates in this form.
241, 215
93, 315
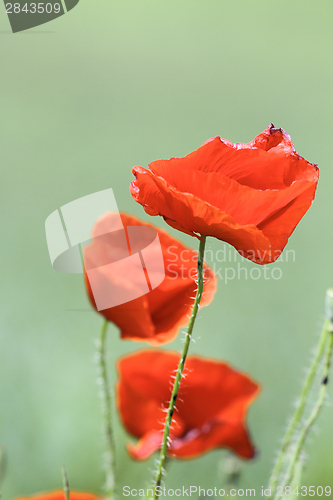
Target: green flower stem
174, 394
2, 465
299, 410
65, 483
297, 479
316, 410
110, 455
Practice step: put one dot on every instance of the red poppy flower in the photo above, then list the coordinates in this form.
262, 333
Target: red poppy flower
249, 195
211, 406
157, 316
60, 495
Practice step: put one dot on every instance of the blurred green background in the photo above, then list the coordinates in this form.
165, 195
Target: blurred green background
110, 85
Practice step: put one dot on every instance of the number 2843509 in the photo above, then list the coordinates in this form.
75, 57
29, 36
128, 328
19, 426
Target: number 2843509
33, 8
303, 491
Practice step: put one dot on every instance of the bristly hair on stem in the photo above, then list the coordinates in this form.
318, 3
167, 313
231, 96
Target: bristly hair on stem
176, 385
106, 395
310, 421
290, 459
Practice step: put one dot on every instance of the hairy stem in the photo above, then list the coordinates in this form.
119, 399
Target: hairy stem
110, 454
65, 483
299, 410
174, 394
315, 411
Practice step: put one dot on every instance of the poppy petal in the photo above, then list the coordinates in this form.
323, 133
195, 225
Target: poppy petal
249, 195
211, 406
59, 495
153, 317
216, 434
